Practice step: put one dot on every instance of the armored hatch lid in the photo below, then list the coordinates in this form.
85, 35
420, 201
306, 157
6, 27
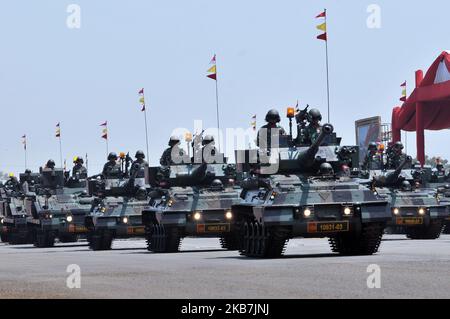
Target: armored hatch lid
324, 152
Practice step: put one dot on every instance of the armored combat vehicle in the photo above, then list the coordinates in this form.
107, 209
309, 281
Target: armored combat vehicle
312, 195
191, 200
57, 208
117, 207
416, 210
13, 214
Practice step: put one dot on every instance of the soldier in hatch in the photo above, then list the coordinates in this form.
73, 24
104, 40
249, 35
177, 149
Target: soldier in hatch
111, 169
174, 148
78, 170
138, 164
270, 130
314, 128
373, 159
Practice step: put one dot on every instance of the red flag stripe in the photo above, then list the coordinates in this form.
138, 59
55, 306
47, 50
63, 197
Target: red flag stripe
212, 76
322, 15
323, 37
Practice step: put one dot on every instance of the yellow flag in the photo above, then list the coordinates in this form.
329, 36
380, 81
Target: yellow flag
141, 100
404, 92
322, 27
105, 131
212, 69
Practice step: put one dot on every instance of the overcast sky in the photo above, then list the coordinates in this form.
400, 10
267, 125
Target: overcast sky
267, 54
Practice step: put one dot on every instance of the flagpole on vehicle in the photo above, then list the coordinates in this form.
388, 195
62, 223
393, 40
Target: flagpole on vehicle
144, 109
213, 75
58, 135
24, 142
324, 37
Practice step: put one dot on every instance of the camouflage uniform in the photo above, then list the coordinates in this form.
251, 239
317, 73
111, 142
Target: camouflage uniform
79, 171
312, 132
111, 170
372, 161
137, 166
270, 129
166, 157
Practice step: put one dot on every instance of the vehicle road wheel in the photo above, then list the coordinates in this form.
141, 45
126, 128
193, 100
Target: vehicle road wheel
447, 228
165, 239
432, 231
68, 238
44, 239
101, 240
4, 238
365, 242
230, 241
261, 242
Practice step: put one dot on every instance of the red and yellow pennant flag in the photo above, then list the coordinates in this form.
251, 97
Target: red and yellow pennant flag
142, 99
213, 69
58, 130
403, 86
24, 141
105, 130
322, 26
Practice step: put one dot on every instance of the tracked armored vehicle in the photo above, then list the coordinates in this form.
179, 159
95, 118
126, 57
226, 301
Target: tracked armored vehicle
13, 211
117, 208
416, 210
57, 208
311, 195
191, 200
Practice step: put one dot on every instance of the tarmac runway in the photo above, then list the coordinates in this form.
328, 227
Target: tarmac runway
407, 269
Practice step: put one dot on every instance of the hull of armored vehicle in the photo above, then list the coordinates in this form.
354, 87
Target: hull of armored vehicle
115, 218
351, 215
60, 216
417, 214
191, 212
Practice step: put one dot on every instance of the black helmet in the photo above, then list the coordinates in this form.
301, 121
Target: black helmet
174, 140
372, 146
50, 164
141, 193
399, 145
315, 115
273, 116
140, 154
28, 171
207, 139
326, 169
217, 183
406, 186
78, 160
447, 186
112, 156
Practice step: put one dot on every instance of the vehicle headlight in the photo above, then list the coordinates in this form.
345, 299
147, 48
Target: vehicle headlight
69, 218
197, 216
307, 212
125, 220
1, 221
228, 215
396, 211
422, 211
347, 211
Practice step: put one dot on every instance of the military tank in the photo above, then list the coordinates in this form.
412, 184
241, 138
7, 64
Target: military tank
416, 209
444, 199
117, 207
57, 208
191, 200
13, 211
312, 194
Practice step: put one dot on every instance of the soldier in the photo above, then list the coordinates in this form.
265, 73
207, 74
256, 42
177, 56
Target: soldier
12, 183
138, 164
395, 155
210, 153
373, 159
314, 128
269, 130
50, 164
78, 170
174, 148
111, 169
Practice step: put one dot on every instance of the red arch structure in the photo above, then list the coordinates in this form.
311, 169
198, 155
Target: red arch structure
428, 106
